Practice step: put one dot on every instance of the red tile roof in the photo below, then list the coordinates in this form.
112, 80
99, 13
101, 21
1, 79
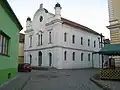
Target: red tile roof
76, 25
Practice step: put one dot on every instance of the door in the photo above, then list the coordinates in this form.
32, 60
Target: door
40, 58
50, 59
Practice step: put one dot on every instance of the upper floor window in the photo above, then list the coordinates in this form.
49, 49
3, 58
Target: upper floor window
94, 44
65, 37
50, 37
4, 44
38, 40
81, 40
81, 56
88, 42
88, 57
65, 55
73, 56
73, 38
30, 41
99, 42
41, 39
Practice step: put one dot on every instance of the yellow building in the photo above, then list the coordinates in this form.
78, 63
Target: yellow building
21, 48
114, 19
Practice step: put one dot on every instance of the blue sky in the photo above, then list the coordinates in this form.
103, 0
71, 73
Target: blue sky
91, 13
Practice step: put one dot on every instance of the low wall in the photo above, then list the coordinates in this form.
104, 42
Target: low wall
110, 74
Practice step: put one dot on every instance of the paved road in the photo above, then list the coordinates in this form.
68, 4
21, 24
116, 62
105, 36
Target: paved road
62, 80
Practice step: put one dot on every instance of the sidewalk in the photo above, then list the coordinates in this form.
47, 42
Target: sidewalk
106, 84
17, 83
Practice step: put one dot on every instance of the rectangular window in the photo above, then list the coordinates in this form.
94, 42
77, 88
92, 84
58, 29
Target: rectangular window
88, 42
41, 39
65, 55
88, 57
30, 41
99, 42
38, 40
73, 39
50, 37
81, 40
94, 44
65, 37
3, 44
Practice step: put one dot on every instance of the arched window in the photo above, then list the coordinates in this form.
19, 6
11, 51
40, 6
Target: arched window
41, 39
81, 40
65, 37
88, 42
73, 39
94, 44
65, 55
73, 56
81, 56
38, 40
49, 37
30, 41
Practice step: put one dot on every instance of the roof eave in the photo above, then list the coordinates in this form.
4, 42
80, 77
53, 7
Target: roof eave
12, 14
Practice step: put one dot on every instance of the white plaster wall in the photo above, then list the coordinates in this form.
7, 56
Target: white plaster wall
69, 63
78, 34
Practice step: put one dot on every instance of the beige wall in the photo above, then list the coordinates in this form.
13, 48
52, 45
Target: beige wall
114, 18
116, 9
21, 53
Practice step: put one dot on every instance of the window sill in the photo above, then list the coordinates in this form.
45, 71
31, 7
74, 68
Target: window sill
4, 55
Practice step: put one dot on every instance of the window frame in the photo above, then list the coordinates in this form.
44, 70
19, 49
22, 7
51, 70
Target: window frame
4, 48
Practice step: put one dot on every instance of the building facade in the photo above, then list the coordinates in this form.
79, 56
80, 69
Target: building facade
51, 40
114, 19
9, 41
21, 48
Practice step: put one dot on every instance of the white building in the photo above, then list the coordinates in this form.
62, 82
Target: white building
51, 40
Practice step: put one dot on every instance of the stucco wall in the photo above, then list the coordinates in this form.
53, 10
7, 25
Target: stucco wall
8, 64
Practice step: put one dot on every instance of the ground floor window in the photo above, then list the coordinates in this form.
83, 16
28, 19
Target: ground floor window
3, 44
88, 57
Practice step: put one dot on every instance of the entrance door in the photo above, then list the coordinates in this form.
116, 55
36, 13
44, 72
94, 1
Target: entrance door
50, 59
40, 58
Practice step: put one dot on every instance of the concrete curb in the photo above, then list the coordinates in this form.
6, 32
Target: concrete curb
99, 85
